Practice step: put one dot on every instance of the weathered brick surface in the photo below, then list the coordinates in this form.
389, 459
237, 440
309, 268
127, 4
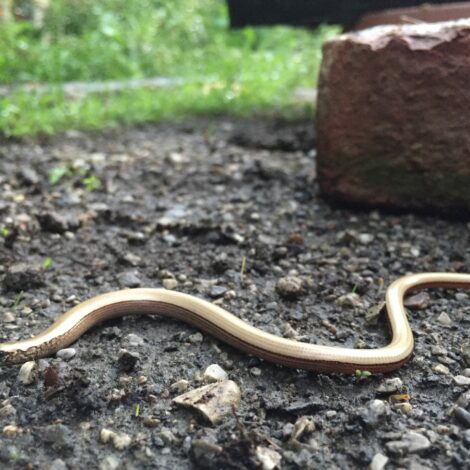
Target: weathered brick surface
393, 117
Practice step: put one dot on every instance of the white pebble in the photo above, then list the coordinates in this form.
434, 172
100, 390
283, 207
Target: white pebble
26, 375
378, 462
66, 354
180, 386
214, 373
170, 283
120, 441
215, 401
441, 369
268, 458
444, 319
462, 380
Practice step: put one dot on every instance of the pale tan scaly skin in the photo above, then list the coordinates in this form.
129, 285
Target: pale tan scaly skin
227, 327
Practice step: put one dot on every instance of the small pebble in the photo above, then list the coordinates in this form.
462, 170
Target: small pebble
441, 369
56, 223
11, 430
304, 425
57, 464
465, 349
463, 416
180, 386
217, 291
23, 277
8, 317
196, 338
290, 287
466, 372
110, 462
133, 340
59, 435
351, 300
365, 238
410, 443
378, 462
444, 319
127, 360
142, 380
170, 283
404, 407
120, 441
204, 452
374, 413
167, 436
7, 411
230, 295
390, 385
255, 371
442, 429
462, 380
464, 399
214, 401
27, 373
129, 279
214, 373
466, 437
151, 421
66, 354
418, 301
268, 458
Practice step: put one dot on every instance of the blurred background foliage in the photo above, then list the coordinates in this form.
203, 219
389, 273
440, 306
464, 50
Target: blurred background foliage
223, 71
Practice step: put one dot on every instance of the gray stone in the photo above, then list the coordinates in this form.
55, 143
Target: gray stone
374, 413
59, 436
129, 279
290, 287
466, 437
410, 443
214, 401
417, 301
128, 360
464, 399
462, 380
466, 353
378, 462
463, 416
391, 385
204, 452
57, 464
56, 223
23, 277
66, 354
217, 291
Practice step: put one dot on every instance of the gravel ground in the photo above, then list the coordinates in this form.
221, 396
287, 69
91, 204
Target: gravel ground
228, 211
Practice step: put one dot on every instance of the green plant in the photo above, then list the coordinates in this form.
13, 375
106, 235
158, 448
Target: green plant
57, 173
18, 299
47, 263
91, 183
362, 374
238, 72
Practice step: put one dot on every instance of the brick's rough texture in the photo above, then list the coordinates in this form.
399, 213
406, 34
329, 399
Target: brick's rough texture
393, 118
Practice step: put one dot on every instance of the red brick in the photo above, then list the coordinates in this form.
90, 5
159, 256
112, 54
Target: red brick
393, 117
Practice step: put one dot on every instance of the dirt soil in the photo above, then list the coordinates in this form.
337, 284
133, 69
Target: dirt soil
221, 209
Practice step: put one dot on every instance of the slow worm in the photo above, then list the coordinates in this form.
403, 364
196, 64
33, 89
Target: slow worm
227, 327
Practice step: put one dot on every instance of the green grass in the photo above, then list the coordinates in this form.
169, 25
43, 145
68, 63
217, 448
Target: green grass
237, 72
